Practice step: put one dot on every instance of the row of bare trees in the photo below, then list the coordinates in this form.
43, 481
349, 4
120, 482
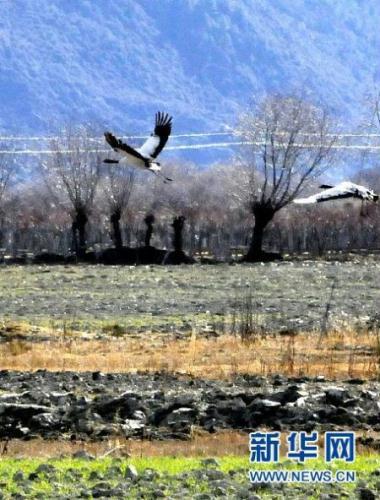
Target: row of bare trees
76, 201
34, 221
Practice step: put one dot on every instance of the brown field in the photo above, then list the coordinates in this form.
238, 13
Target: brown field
201, 444
337, 355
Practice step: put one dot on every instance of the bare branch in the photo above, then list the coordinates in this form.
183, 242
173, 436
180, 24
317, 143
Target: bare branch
72, 177
297, 146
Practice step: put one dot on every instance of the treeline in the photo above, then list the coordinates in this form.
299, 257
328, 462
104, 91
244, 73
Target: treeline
35, 218
75, 203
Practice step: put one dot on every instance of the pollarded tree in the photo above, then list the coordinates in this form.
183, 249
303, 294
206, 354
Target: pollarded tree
188, 195
117, 187
290, 145
72, 175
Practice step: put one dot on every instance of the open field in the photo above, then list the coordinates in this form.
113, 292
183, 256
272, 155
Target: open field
338, 355
285, 295
189, 319
172, 477
159, 368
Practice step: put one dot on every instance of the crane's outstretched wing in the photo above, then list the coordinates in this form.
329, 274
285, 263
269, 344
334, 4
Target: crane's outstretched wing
343, 190
333, 193
153, 146
121, 147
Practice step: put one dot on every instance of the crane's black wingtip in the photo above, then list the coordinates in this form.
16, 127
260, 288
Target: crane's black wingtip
163, 119
108, 136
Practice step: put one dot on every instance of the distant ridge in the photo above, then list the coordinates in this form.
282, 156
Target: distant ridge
117, 61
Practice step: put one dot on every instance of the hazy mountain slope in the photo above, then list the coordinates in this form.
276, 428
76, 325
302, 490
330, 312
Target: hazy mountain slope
88, 62
328, 47
117, 61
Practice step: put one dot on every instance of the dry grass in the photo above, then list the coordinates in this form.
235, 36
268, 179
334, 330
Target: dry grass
202, 444
337, 355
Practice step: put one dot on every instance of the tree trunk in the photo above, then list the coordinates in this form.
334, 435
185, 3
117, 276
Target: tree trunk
74, 240
178, 223
115, 229
78, 228
263, 214
200, 241
149, 220
192, 238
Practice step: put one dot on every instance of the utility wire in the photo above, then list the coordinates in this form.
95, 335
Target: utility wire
43, 138
209, 145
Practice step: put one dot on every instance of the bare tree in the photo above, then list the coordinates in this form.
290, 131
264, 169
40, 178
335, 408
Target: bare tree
376, 113
210, 199
118, 185
72, 175
189, 196
7, 170
290, 145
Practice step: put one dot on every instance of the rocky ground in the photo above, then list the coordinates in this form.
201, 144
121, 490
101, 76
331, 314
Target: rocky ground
93, 406
288, 294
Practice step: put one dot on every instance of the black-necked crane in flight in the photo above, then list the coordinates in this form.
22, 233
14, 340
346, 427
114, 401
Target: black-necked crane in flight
144, 156
342, 190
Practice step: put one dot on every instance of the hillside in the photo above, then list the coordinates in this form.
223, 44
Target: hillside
116, 62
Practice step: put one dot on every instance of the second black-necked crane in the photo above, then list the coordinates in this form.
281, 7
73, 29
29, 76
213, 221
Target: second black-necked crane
340, 191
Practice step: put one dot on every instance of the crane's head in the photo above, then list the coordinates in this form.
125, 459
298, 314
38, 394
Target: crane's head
372, 196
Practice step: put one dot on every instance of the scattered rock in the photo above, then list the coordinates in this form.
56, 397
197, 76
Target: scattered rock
82, 454
336, 396
131, 473
93, 406
213, 462
45, 469
366, 494
18, 476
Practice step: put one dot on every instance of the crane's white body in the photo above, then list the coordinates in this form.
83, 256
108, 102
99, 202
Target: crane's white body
342, 190
133, 161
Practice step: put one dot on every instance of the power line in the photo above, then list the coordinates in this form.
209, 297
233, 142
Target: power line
262, 143
210, 145
43, 138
